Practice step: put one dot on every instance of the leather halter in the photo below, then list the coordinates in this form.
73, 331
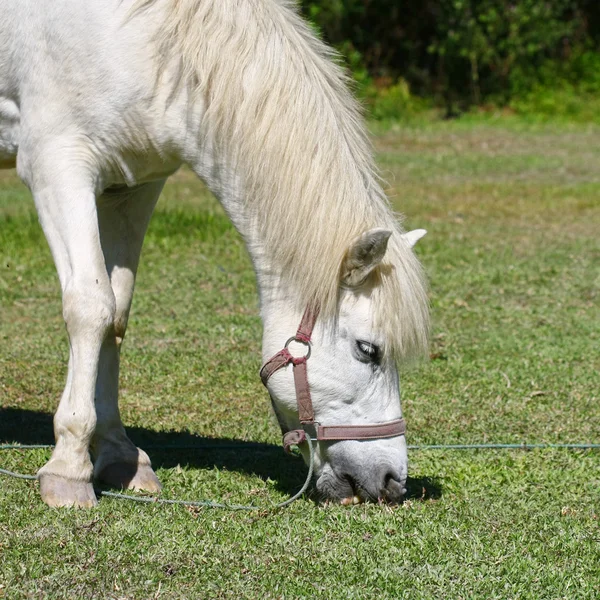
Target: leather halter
311, 429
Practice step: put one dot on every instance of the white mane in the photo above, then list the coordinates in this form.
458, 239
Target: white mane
279, 110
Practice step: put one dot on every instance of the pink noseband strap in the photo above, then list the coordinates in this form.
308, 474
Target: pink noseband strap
311, 428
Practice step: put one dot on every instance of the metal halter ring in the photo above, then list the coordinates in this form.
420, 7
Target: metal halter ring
304, 342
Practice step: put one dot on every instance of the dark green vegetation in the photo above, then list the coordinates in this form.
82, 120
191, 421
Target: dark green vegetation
513, 256
531, 56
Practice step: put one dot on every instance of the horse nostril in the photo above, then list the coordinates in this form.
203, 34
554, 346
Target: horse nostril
392, 491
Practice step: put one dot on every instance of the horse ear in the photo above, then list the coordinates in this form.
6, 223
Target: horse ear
412, 237
363, 256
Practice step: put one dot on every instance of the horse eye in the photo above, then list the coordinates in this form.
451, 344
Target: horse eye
368, 351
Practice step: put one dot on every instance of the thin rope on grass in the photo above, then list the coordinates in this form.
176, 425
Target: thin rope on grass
25, 446
211, 504
17, 475
193, 503
258, 446
522, 446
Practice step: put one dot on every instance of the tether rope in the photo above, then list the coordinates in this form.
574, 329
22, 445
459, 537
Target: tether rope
211, 504
157, 500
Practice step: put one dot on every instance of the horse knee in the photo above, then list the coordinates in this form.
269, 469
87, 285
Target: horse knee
79, 424
89, 310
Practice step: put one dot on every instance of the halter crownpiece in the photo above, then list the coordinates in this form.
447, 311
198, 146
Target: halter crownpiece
312, 429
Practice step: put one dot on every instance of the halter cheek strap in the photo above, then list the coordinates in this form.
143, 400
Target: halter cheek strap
311, 429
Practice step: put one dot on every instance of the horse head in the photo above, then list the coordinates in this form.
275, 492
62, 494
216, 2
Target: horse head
349, 374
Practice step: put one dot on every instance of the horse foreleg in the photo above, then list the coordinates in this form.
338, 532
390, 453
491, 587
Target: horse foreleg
123, 219
66, 205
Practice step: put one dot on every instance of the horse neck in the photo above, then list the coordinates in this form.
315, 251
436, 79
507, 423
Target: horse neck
272, 129
276, 136
279, 308
278, 299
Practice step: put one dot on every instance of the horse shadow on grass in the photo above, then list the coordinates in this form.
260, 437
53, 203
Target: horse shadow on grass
167, 449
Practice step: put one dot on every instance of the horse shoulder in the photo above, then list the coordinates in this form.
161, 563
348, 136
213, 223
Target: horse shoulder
80, 78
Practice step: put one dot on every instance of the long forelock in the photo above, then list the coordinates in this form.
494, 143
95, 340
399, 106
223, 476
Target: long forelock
279, 112
400, 305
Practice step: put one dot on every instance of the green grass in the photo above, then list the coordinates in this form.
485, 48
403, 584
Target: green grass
513, 214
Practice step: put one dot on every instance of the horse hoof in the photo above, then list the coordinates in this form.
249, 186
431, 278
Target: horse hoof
130, 476
57, 491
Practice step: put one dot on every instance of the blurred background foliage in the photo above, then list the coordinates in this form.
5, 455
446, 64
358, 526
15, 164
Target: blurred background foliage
535, 57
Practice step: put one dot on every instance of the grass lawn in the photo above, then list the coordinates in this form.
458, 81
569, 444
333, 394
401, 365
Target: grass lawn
513, 257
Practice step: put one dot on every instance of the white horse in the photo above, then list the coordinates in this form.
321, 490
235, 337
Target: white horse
100, 102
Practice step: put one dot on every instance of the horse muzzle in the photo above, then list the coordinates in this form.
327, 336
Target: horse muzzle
363, 471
